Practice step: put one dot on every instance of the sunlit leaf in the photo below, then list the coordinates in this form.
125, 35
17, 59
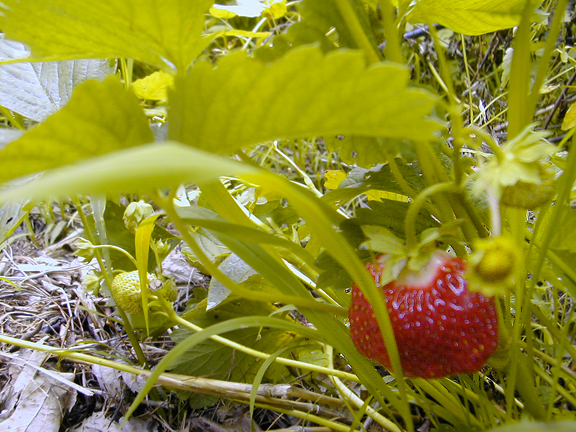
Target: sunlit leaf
570, 118
244, 102
471, 17
165, 33
154, 86
333, 178
80, 130
38, 90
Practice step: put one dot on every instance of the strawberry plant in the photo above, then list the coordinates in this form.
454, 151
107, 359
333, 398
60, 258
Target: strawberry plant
319, 160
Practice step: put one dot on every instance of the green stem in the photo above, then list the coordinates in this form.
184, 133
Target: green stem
351, 20
392, 51
409, 191
261, 355
108, 278
549, 48
416, 206
519, 82
237, 289
118, 249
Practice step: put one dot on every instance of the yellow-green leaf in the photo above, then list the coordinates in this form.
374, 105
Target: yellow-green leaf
570, 118
333, 178
154, 86
471, 17
164, 33
244, 102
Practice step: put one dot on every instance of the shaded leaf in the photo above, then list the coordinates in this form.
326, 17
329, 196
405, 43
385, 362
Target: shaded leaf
527, 426
244, 102
298, 34
235, 269
38, 90
316, 13
89, 125
164, 33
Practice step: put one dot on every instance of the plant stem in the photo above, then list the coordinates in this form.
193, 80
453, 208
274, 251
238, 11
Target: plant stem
259, 354
351, 20
108, 278
414, 209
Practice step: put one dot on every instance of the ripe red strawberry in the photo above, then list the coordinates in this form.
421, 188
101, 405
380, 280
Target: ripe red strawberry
441, 328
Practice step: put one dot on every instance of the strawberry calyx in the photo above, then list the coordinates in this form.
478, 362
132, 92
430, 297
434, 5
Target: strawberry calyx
521, 175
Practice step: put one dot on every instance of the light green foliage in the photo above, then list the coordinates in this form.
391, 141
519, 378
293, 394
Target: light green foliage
81, 130
43, 88
244, 102
471, 17
164, 33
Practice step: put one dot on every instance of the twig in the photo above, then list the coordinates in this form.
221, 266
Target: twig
559, 100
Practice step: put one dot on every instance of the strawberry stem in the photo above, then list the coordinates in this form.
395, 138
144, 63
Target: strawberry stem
414, 209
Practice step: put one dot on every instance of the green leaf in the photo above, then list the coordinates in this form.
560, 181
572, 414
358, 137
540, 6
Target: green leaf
38, 90
244, 102
210, 358
527, 426
471, 17
235, 269
164, 33
89, 125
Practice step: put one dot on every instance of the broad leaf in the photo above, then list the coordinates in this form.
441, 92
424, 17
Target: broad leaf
38, 90
89, 125
471, 17
165, 33
244, 102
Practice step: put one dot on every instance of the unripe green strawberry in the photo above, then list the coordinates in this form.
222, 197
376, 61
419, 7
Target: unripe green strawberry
531, 195
441, 328
128, 295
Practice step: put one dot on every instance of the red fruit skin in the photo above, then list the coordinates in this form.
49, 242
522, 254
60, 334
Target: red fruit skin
441, 328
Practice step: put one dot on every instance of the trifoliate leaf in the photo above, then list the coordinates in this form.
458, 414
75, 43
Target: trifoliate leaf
471, 17
244, 102
164, 33
80, 130
38, 90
